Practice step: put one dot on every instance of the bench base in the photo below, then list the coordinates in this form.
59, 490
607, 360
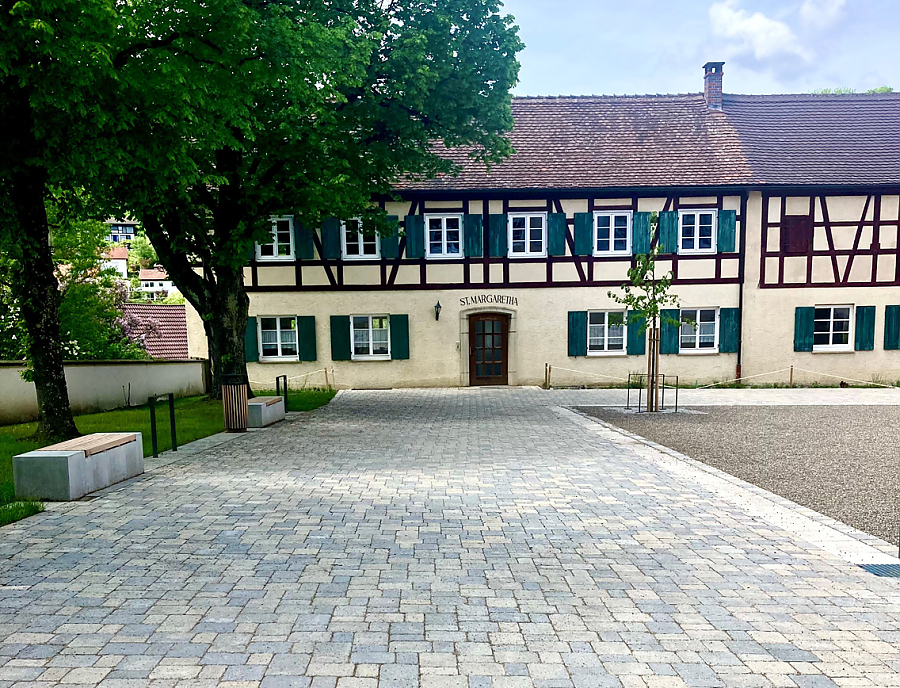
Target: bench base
63, 475
263, 411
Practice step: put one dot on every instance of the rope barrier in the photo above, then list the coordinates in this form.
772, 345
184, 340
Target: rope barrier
611, 377
746, 377
848, 379
294, 377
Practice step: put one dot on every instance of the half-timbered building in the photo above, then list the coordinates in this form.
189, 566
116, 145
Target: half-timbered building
777, 216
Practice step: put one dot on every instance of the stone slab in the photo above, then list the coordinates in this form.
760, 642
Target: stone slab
264, 411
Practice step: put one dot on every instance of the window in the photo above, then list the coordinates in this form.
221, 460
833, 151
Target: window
796, 234
699, 330
278, 337
612, 233
606, 332
356, 245
831, 328
371, 336
527, 234
282, 244
697, 231
444, 236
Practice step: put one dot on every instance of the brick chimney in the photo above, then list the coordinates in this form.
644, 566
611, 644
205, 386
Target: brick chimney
712, 84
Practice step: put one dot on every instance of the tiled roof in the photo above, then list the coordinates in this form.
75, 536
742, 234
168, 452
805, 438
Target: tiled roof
172, 342
117, 253
153, 274
819, 139
675, 140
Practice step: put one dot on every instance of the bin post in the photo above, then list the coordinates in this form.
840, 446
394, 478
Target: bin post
234, 403
153, 440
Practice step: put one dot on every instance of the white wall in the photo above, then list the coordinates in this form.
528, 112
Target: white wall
97, 385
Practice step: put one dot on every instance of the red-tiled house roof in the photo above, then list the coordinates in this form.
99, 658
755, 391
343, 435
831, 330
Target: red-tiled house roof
117, 253
589, 142
153, 274
172, 342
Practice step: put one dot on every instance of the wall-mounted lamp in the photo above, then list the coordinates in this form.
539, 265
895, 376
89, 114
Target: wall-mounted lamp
437, 311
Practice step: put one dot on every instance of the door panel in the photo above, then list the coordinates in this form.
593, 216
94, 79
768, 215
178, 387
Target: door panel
488, 348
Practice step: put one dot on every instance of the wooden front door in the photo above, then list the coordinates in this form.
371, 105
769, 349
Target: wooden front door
488, 349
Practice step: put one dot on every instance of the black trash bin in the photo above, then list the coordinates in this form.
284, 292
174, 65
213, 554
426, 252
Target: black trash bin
234, 401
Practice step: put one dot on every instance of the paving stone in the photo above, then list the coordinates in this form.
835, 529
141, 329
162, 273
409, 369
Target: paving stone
442, 539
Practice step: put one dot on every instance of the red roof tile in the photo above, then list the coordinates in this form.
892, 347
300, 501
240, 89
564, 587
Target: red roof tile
172, 343
153, 274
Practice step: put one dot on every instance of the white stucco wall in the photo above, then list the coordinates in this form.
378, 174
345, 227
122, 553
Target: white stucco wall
98, 385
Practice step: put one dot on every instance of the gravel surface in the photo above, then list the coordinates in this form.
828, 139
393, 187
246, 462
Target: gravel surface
842, 461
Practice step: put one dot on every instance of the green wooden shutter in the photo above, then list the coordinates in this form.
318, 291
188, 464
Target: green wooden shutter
306, 337
668, 331
864, 337
473, 228
577, 333
390, 245
640, 234
303, 241
415, 236
497, 235
251, 341
729, 330
340, 337
251, 252
637, 339
727, 223
331, 238
556, 234
584, 234
892, 328
804, 324
668, 231
399, 325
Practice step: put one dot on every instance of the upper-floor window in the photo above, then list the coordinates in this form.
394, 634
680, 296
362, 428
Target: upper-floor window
612, 233
444, 233
371, 337
356, 245
278, 337
281, 247
796, 234
832, 328
699, 331
697, 231
527, 234
606, 332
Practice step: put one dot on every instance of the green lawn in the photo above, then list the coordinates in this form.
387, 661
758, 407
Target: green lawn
195, 417
302, 399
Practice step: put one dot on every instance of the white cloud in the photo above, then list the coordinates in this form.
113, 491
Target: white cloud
755, 34
820, 14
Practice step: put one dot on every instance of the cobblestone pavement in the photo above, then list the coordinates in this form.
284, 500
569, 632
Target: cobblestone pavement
442, 538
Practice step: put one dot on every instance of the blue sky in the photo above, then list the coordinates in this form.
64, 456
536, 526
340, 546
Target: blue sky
659, 46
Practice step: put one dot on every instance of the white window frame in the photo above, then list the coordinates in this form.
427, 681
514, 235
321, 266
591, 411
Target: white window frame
443, 254
697, 350
612, 214
715, 231
280, 356
851, 328
370, 356
528, 253
359, 234
607, 352
273, 234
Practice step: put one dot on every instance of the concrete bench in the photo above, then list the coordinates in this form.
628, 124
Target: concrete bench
77, 467
263, 411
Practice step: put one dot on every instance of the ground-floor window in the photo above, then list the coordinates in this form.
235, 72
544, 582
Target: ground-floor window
371, 336
699, 332
606, 332
278, 337
831, 330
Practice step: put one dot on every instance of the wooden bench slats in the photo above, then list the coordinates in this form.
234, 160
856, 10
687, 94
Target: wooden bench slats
268, 401
95, 443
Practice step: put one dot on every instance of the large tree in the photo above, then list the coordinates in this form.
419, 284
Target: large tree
310, 108
53, 67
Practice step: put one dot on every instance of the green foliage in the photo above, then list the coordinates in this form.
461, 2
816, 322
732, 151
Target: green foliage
644, 295
141, 254
881, 89
847, 90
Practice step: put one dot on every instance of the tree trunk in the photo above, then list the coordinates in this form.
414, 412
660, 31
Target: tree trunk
229, 306
37, 291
